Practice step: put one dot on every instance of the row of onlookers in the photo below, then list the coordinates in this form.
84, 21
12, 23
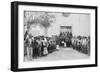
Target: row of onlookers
81, 44
37, 47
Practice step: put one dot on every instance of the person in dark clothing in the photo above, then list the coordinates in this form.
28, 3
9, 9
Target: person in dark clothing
39, 47
35, 51
48, 47
42, 49
79, 47
25, 47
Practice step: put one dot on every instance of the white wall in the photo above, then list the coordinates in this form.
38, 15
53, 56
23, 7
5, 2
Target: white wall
5, 17
80, 24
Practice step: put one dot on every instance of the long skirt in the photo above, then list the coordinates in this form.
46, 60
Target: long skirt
39, 51
35, 52
57, 47
45, 52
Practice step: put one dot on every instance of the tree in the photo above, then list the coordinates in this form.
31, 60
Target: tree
44, 19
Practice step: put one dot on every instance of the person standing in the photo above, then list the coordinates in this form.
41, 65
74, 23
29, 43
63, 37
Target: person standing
39, 47
34, 45
42, 48
30, 49
45, 51
57, 47
27, 47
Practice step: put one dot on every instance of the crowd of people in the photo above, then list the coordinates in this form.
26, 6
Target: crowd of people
38, 46
81, 44
65, 39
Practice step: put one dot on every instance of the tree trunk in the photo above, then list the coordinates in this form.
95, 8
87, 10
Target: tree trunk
46, 31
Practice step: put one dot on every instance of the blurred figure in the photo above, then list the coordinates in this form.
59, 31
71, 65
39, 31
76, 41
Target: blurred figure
57, 47
39, 47
29, 48
35, 49
45, 51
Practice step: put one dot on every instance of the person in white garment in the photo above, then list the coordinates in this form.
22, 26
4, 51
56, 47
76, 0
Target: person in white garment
45, 52
29, 49
57, 47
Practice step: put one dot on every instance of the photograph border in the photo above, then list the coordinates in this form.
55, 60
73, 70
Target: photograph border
14, 35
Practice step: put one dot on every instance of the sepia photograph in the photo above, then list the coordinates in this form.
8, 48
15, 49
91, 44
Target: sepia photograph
56, 36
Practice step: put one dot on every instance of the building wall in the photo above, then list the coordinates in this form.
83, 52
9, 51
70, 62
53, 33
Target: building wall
80, 24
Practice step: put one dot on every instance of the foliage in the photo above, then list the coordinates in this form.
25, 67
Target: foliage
43, 18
